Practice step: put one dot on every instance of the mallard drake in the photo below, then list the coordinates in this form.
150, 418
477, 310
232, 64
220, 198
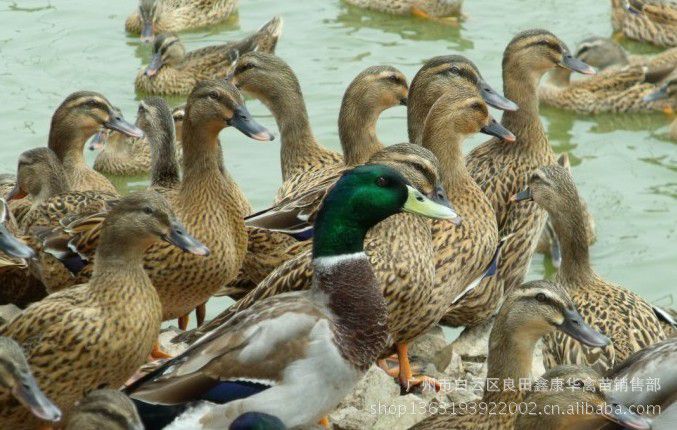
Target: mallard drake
667, 91
77, 119
104, 410
529, 312
548, 243
653, 22
172, 71
447, 95
339, 325
556, 400
123, 156
16, 379
437, 9
502, 168
622, 315
85, 331
206, 201
160, 16
306, 165
405, 278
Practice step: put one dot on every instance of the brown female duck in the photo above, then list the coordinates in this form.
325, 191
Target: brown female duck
436, 9
627, 319
501, 168
77, 119
654, 22
160, 16
558, 397
123, 156
85, 331
604, 53
529, 312
206, 201
104, 410
173, 71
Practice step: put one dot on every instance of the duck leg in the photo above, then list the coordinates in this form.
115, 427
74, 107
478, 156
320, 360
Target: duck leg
405, 376
183, 322
157, 353
200, 313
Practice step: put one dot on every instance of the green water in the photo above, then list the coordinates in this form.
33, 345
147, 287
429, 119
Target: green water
624, 165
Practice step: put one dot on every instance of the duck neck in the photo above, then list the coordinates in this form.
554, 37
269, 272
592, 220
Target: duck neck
570, 229
520, 84
511, 348
68, 144
297, 137
336, 235
200, 154
357, 129
445, 142
55, 183
164, 167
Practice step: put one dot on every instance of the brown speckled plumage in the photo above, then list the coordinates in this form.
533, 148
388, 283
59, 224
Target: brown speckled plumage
178, 15
85, 331
627, 319
501, 168
399, 249
656, 23
521, 321
180, 71
434, 8
107, 409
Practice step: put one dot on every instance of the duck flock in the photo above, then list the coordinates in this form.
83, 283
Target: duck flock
359, 254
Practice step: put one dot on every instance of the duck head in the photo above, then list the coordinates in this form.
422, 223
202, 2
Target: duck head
16, 376
552, 187
39, 175
218, 104
106, 408
167, 51
601, 52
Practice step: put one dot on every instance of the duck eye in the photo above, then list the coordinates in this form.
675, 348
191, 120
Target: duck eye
394, 78
535, 177
540, 297
213, 95
148, 210
578, 383
382, 181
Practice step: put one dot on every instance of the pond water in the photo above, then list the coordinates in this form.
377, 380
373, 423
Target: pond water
625, 165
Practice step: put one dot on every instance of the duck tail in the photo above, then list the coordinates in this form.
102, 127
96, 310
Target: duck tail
265, 39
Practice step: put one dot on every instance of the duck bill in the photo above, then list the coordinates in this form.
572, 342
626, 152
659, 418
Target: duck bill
16, 193
185, 242
523, 195
620, 414
27, 392
13, 246
118, 123
574, 64
494, 128
417, 203
578, 329
98, 141
494, 99
154, 66
660, 93
147, 31
243, 121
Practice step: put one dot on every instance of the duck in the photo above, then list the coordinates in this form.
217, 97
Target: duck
548, 244
77, 119
605, 53
340, 322
439, 10
566, 388
621, 90
206, 201
51, 331
652, 22
529, 312
172, 71
625, 317
121, 156
16, 379
104, 409
501, 168
160, 16
667, 91
450, 94
408, 305
305, 164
